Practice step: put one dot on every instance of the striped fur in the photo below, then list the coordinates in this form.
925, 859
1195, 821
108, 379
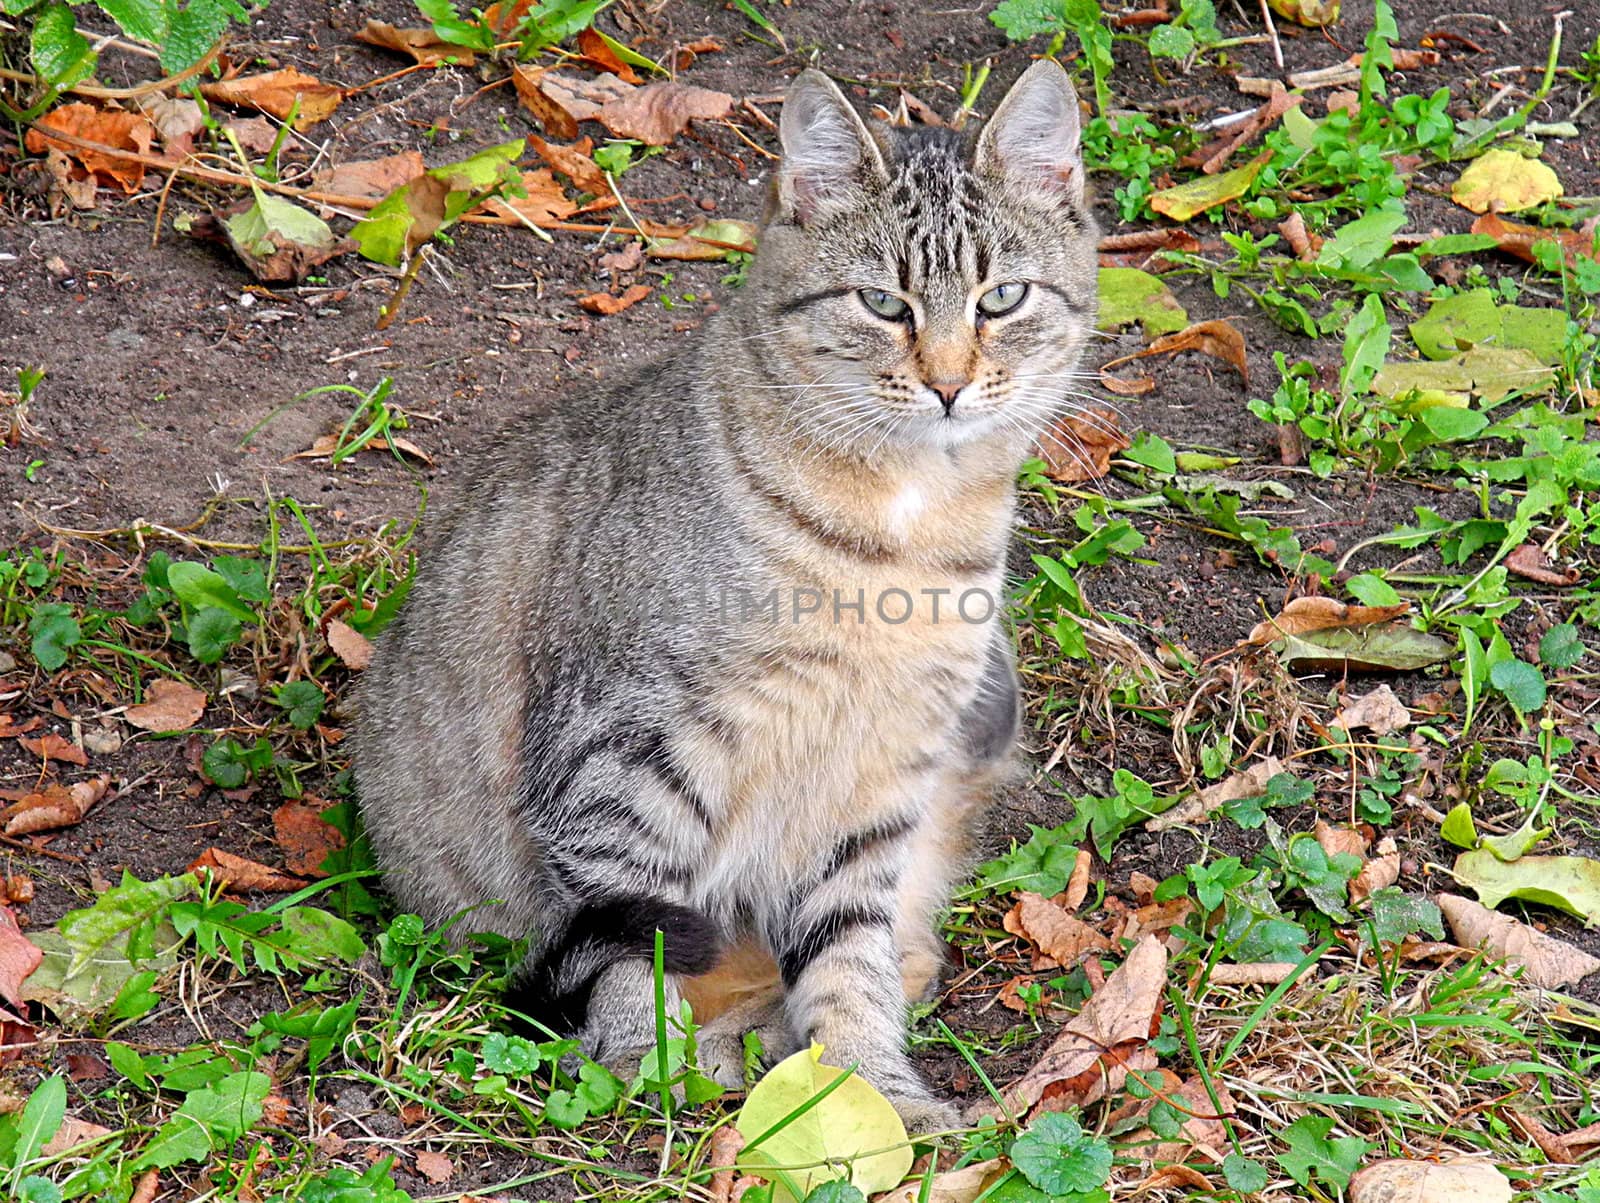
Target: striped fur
571, 720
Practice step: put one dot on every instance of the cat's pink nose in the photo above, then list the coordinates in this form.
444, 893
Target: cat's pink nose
948, 390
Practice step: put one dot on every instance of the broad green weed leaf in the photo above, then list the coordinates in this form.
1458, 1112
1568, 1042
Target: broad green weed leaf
1311, 1153
211, 632
1458, 827
1516, 844
1522, 684
128, 913
340, 1185
1471, 319
852, 1119
1560, 647
303, 700
142, 20
197, 586
34, 1189
1361, 243
836, 1192
1041, 866
415, 212
1372, 590
61, 54
41, 1117
316, 935
1128, 295
1020, 20
55, 632
1568, 883
1396, 915
1060, 1158
1243, 1174
247, 578
279, 241
195, 29
210, 1118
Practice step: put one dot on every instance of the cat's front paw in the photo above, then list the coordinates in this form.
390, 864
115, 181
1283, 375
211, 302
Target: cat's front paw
924, 1115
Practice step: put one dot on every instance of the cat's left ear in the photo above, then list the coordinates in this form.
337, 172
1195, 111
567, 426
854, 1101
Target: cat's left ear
829, 158
1033, 135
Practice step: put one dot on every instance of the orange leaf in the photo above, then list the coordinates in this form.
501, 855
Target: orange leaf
546, 200
573, 162
275, 91
54, 806
111, 128
239, 873
51, 746
1321, 614
1516, 238
305, 837
557, 119
371, 177
1217, 339
594, 49
169, 706
19, 957
1079, 446
1063, 938
435, 1167
421, 44
605, 304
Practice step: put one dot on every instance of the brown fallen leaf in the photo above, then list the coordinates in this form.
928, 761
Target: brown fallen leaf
146, 1188
1077, 888
1530, 562
1552, 1146
573, 162
1177, 1177
581, 96
546, 200
1549, 963
352, 647
435, 1167
1246, 783
275, 92
726, 1142
657, 113
277, 240
1010, 995
557, 119
1079, 446
949, 1186
1305, 614
325, 445
255, 134
595, 51
54, 806
707, 241
53, 747
1091, 1054
1519, 239
625, 260
1215, 338
19, 957
114, 128
169, 705
72, 1133
1136, 386
241, 873
1428, 1182
1214, 155
1252, 973
371, 177
1381, 871
1155, 918
1378, 711
304, 836
1061, 937
605, 304
425, 46
71, 184
1334, 840
10, 728
1202, 1132
175, 118
1302, 242
19, 888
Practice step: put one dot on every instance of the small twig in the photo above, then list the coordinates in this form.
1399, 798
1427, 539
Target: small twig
99, 93
1272, 32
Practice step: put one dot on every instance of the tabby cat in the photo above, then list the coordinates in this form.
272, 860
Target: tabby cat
715, 650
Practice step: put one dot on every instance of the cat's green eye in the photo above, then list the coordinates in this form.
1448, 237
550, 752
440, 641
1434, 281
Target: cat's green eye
1002, 298
886, 305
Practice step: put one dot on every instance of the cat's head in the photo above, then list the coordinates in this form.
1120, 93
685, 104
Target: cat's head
921, 290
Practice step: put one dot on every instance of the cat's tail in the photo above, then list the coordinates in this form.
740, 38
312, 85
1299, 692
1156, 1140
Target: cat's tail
555, 989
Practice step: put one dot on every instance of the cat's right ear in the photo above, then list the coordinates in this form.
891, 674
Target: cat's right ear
829, 158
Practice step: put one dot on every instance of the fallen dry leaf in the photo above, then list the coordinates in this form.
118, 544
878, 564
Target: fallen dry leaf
573, 162
19, 957
255, 134
1334, 840
1094, 1049
240, 873
594, 49
557, 119
1307, 12
54, 806
1549, 963
1215, 338
657, 113
625, 260
1381, 871
1378, 711
546, 200
1251, 973
1427, 1182
1202, 1131
375, 178
72, 1133
581, 96
1079, 446
19, 888
1516, 238
1246, 783
1062, 938
708, 241
169, 705
1077, 888
1530, 562
425, 46
1141, 247
949, 1186
1554, 1147
116, 129
1177, 1177
174, 117
1136, 386
69, 182
435, 1167
1305, 614
325, 445
10, 728
305, 837
605, 304
352, 647
1302, 242
275, 92
1155, 917
1183, 201
146, 1188
1503, 181
1214, 155
726, 1142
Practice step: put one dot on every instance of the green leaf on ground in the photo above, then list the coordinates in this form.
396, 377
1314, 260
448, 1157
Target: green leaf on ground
55, 632
1384, 647
1128, 295
40, 1119
1568, 883
1560, 647
1312, 1154
62, 55
210, 1118
1041, 866
1060, 1158
1396, 915
1503, 181
434, 201
1470, 319
1521, 682
279, 241
303, 700
852, 1119
1458, 827
198, 587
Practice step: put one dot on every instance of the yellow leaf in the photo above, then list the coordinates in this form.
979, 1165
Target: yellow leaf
1183, 201
1502, 181
1307, 12
853, 1119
